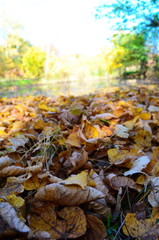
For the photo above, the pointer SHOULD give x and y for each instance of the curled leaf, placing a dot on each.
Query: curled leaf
(8, 213)
(5, 161)
(138, 165)
(67, 195)
(95, 228)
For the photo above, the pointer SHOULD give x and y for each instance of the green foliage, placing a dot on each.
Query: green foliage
(128, 50)
(33, 62)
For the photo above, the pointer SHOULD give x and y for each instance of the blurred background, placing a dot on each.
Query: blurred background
(74, 47)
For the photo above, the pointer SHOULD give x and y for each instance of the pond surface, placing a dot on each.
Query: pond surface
(66, 87)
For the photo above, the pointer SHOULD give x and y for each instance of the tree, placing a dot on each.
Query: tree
(132, 15)
(129, 52)
(33, 62)
(140, 17)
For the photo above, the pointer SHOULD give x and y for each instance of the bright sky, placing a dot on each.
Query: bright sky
(69, 25)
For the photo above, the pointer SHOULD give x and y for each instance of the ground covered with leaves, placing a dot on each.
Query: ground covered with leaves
(83, 168)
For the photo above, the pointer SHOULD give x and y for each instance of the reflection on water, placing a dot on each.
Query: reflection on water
(67, 87)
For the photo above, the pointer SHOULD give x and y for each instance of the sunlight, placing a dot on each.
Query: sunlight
(69, 25)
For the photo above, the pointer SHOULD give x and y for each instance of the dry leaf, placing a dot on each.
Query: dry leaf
(105, 116)
(19, 141)
(34, 182)
(91, 131)
(143, 139)
(67, 195)
(80, 179)
(9, 215)
(5, 161)
(95, 228)
(153, 197)
(12, 171)
(138, 165)
(152, 108)
(12, 186)
(69, 222)
(140, 228)
(17, 127)
(121, 131)
(117, 182)
(74, 140)
(76, 160)
(16, 202)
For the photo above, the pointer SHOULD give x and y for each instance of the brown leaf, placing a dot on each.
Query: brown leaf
(143, 139)
(12, 171)
(5, 161)
(67, 195)
(117, 182)
(76, 161)
(69, 222)
(95, 228)
(13, 186)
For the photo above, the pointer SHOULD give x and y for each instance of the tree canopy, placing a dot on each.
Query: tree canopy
(132, 15)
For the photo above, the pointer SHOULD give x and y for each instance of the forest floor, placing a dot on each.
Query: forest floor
(83, 167)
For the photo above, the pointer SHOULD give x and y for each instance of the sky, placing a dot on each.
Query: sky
(69, 25)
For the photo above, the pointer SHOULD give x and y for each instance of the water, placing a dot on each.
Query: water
(67, 87)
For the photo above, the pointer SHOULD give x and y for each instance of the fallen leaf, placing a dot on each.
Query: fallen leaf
(152, 108)
(67, 195)
(80, 179)
(17, 127)
(140, 228)
(76, 160)
(74, 140)
(34, 182)
(138, 165)
(153, 197)
(116, 182)
(95, 228)
(121, 131)
(19, 141)
(105, 116)
(5, 161)
(16, 202)
(143, 139)
(9, 215)
(69, 222)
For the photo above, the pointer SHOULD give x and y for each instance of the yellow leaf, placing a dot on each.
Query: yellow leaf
(39, 124)
(79, 179)
(141, 228)
(2, 133)
(34, 183)
(143, 139)
(16, 127)
(15, 201)
(74, 140)
(145, 115)
(43, 106)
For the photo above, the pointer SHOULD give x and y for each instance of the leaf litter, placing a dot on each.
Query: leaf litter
(84, 167)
